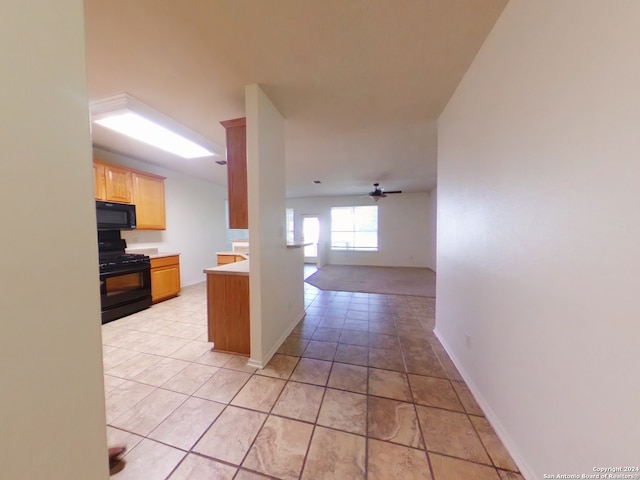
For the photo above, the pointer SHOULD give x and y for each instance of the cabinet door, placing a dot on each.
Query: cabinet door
(99, 182)
(165, 278)
(118, 184)
(148, 196)
(236, 134)
(228, 313)
(225, 259)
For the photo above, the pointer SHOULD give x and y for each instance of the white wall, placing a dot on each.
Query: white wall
(276, 272)
(433, 229)
(52, 415)
(405, 228)
(539, 232)
(195, 212)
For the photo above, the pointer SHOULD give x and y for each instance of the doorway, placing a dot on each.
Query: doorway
(310, 233)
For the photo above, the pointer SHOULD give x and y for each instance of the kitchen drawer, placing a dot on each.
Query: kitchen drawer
(164, 261)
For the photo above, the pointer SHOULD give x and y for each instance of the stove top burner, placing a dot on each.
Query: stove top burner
(112, 261)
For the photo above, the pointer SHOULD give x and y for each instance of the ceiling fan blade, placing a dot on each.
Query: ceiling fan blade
(380, 192)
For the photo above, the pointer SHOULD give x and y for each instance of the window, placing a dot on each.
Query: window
(289, 225)
(354, 228)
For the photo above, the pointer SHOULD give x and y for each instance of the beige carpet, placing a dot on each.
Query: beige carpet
(390, 280)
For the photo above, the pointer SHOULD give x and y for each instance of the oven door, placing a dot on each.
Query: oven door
(125, 285)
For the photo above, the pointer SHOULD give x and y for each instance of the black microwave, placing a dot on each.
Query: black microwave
(115, 216)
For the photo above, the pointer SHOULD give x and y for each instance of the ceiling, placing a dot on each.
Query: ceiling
(360, 83)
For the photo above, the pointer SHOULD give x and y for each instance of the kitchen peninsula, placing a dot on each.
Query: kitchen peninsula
(228, 307)
(228, 312)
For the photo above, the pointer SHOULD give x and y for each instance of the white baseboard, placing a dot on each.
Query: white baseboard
(525, 470)
(257, 364)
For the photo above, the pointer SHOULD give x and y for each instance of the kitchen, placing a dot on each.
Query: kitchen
(132, 278)
(195, 218)
(272, 261)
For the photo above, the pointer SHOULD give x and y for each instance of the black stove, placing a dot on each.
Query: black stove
(115, 261)
(125, 278)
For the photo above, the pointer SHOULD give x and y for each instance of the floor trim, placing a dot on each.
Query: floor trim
(525, 469)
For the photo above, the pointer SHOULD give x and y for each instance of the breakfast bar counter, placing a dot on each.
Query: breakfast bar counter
(228, 307)
(235, 268)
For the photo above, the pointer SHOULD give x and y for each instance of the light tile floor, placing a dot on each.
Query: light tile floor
(360, 389)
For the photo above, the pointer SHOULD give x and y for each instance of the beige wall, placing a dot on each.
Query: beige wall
(538, 232)
(406, 228)
(432, 242)
(277, 297)
(52, 402)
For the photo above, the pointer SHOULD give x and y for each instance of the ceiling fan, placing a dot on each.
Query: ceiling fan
(379, 193)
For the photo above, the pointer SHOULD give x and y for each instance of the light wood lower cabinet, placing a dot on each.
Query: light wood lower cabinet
(165, 278)
(225, 258)
(228, 313)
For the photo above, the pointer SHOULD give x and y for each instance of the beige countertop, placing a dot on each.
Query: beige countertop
(151, 252)
(239, 254)
(237, 268)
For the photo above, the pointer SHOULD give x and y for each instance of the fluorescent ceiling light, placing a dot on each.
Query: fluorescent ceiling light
(140, 128)
(132, 118)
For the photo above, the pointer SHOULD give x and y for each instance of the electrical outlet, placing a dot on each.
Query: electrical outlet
(467, 338)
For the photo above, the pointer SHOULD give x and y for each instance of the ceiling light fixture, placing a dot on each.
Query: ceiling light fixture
(128, 116)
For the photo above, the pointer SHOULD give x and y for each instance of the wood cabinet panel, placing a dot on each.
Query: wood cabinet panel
(118, 184)
(224, 258)
(236, 136)
(165, 278)
(99, 182)
(148, 197)
(228, 313)
(146, 191)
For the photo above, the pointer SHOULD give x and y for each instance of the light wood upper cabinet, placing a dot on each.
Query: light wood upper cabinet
(118, 184)
(236, 133)
(148, 197)
(113, 183)
(99, 182)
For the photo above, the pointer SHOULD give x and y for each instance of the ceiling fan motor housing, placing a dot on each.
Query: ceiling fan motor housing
(378, 192)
